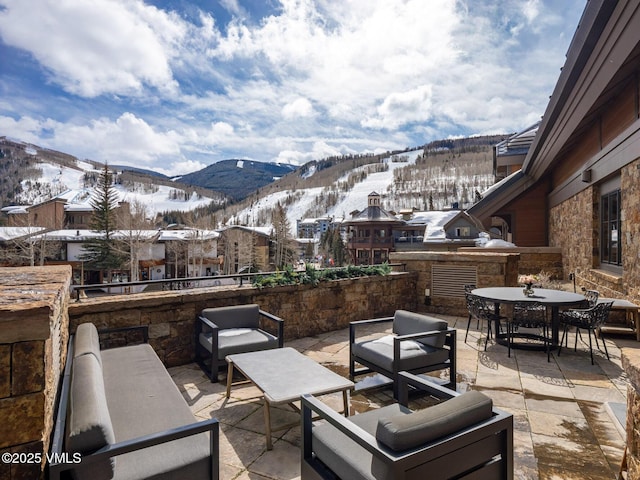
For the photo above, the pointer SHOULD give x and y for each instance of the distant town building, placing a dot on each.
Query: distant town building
(370, 233)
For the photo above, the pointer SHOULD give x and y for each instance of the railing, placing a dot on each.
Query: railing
(123, 288)
(118, 288)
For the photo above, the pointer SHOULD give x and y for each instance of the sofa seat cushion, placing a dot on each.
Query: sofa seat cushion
(403, 432)
(415, 356)
(342, 455)
(242, 340)
(143, 399)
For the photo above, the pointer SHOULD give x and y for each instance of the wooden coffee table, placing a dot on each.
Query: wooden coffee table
(283, 375)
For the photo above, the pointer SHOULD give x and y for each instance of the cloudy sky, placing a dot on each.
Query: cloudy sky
(175, 85)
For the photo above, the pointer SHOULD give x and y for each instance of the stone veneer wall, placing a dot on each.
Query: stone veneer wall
(574, 227)
(494, 269)
(532, 259)
(631, 366)
(33, 342)
(307, 310)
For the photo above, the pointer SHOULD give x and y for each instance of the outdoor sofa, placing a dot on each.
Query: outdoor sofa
(463, 437)
(121, 416)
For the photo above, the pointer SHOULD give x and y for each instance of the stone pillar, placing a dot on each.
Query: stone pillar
(34, 325)
(631, 366)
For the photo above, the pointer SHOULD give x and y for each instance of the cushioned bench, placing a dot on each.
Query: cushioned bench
(461, 437)
(122, 413)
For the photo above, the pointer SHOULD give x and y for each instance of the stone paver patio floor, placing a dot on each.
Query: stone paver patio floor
(563, 426)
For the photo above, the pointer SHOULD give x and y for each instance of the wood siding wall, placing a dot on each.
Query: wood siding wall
(528, 216)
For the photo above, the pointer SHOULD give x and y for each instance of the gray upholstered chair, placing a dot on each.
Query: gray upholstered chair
(419, 344)
(461, 437)
(225, 331)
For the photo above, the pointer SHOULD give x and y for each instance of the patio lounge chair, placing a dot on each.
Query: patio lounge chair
(224, 331)
(420, 344)
(463, 437)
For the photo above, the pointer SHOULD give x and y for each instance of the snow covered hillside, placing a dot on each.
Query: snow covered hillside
(70, 183)
(383, 179)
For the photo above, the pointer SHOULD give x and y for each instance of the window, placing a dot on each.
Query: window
(610, 228)
(463, 232)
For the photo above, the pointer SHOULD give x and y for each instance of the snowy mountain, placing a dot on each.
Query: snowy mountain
(46, 175)
(405, 181)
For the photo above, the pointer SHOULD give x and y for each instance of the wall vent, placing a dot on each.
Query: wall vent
(449, 280)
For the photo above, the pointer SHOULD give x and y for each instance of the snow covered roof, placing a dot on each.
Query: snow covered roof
(78, 207)
(187, 234)
(433, 217)
(15, 209)
(12, 233)
(265, 231)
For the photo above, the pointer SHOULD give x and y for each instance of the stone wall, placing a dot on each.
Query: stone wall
(33, 342)
(574, 228)
(631, 366)
(532, 260)
(493, 269)
(307, 310)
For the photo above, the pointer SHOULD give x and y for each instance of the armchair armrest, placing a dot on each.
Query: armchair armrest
(279, 324)
(449, 332)
(310, 404)
(146, 441)
(208, 323)
(406, 379)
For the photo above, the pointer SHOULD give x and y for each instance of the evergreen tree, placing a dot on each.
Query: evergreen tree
(100, 253)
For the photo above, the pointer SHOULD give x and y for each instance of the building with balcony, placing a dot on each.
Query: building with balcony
(370, 233)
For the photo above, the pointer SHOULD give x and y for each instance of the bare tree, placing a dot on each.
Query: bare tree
(238, 246)
(284, 251)
(136, 235)
(30, 245)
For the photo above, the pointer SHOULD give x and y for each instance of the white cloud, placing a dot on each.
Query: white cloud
(403, 107)
(93, 47)
(310, 79)
(300, 107)
(182, 167)
(129, 140)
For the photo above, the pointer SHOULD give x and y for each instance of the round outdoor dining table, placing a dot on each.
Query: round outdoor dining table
(550, 298)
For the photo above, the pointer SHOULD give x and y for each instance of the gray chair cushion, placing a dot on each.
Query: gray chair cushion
(239, 341)
(343, 456)
(406, 431)
(406, 323)
(89, 426)
(381, 353)
(236, 316)
(87, 341)
(143, 399)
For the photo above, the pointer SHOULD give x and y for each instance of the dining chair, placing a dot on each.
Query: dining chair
(529, 315)
(589, 319)
(482, 312)
(592, 297)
